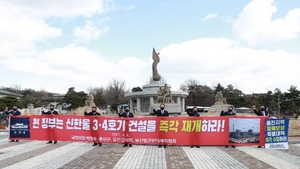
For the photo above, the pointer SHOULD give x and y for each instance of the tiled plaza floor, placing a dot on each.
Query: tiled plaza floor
(76, 155)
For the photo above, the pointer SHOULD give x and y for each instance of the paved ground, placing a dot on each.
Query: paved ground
(75, 155)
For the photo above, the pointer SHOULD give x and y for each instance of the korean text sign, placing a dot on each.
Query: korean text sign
(277, 134)
(209, 130)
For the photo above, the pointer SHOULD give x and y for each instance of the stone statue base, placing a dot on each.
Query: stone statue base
(217, 108)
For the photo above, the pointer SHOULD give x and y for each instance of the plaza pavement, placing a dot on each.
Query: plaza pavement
(78, 155)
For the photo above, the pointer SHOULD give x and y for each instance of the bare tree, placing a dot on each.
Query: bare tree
(115, 93)
(190, 86)
(198, 94)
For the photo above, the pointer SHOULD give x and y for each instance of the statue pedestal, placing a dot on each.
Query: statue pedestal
(217, 108)
(143, 101)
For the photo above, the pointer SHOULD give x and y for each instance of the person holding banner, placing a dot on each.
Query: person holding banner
(14, 112)
(50, 112)
(127, 114)
(222, 112)
(261, 112)
(160, 113)
(228, 113)
(193, 113)
(93, 113)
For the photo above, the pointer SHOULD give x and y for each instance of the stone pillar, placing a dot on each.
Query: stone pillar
(131, 104)
(138, 105)
(151, 101)
(178, 100)
(183, 104)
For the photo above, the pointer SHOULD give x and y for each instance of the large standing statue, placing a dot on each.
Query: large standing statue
(219, 99)
(90, 100)
(155, 74)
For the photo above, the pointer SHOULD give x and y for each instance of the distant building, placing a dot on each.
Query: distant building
(4, 93)
(54, 98)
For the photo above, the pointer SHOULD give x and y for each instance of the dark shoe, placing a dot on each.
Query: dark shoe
(100, 144)
(198, 146)
(159, 146)
(94, 144)
(130, 145)
(17, 140)
(165, 146)
(49, 142)
(233, 146)
(192, 146)
(259, 147)
(226, 146)
(55, 142)
(125, 145)
(12, 141)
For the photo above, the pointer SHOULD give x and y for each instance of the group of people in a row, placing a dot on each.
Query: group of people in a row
(261, 112)
(16, 112)
(127, 114)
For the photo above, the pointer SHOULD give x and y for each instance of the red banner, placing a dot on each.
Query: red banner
(205, 130)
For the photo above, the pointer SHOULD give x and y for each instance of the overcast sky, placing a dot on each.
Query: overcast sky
(54, 45)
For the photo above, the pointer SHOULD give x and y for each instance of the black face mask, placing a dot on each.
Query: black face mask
(162, 108)
(262, 109)
(51, 109)
(195, 111)
(229, 110)
(126, 110)
(14, 109)
(93, 110)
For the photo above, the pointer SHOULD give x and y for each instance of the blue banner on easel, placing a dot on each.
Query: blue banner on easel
(277, 134)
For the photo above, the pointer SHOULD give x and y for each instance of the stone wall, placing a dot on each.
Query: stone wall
(294, 129)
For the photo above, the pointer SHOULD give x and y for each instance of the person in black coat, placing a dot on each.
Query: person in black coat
(93, 113)
(229, 112)
(261, 112)
(14, 112)
(126, 114)
(193, 113)
(50, 112)
(222, 113)
(159, 113)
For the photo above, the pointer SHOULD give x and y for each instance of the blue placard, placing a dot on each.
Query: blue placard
(19, 127)
(277, 133)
